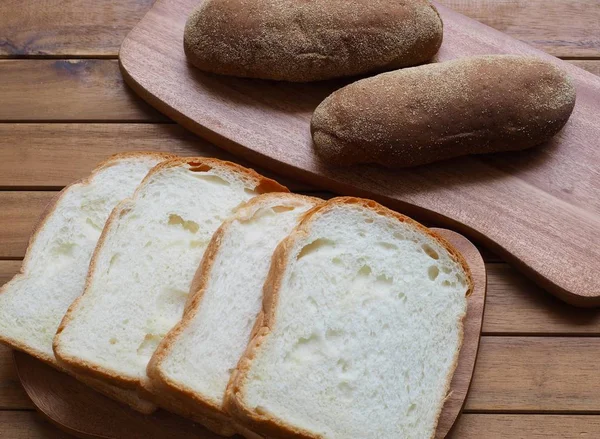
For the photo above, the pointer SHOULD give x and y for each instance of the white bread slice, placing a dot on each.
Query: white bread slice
(193, 363)
(53, 273)
(144, 263)
(360, 330)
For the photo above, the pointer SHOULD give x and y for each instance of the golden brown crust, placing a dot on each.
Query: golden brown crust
(309, 41)
(198, 164)
(473, 105)
(262, 423)
(46, 214)
(163, 388)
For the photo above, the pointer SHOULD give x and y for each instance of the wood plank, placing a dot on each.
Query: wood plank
(592, 66)
(12, 395)
(536, 374)
(83, 90)
(560, 27)
(28, 425)
(87, 28)
(515, 305)
(513, 374)
(19, 213)
(67, 27)
(52, 155)
(77, 90)
(489, 426)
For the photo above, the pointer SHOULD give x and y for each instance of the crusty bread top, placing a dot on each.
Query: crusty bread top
(310, 40)
(260, 419)
(471, 105)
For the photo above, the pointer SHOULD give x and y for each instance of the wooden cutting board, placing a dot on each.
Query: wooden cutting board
(80, 411)
(539, 209)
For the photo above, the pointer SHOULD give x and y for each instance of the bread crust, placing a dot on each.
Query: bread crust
(305, 41)
(473, 105)
(262, 423)
(165, 391)
(199, 164)
(44, 217)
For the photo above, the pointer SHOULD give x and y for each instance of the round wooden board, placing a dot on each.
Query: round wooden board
(78, 410)
(538, 208)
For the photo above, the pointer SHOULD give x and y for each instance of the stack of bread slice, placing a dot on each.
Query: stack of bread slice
(213, 292)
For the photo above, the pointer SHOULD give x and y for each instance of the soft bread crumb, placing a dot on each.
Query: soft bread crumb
(361, 329)
(194, 362)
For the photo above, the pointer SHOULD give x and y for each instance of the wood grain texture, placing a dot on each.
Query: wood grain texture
(77, 409)
(538, 208)
(463, 374)
(515, 305)
(528, 374)
(487, 426)
(592, 66)
(19, 214)
(92, 29)
(559, 27)
(67, 27)
(76, 90)
(12, 395)
(27, 425)
(84, 90)
(536, 374)
(73, 149)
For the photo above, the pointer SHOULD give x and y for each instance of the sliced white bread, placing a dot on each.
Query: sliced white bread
(360, 331)
(56, 263)
(193, 363)
(142, 268)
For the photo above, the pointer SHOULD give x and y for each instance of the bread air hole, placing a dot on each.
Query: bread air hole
(387, 246)
(280, 209)
(364, 271)
(429, 251)
(190, 226)
(433, 272)
(213, 179)
(199, 167)
(315, 246)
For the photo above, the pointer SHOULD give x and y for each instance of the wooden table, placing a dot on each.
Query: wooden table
(64, 107)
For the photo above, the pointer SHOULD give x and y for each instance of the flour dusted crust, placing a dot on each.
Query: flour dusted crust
(304, 41)
(262, 424)
(200, 164)
(175, 396)
(419, 115)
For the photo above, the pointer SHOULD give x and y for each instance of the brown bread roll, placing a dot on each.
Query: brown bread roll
(310, 40)
(423, 114)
